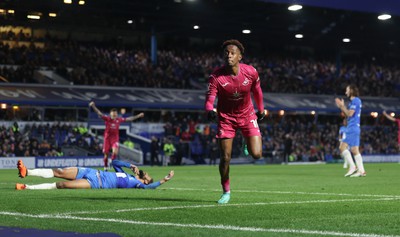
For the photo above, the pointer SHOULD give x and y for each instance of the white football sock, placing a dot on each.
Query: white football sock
(347, 156)
(42, 186)
(359, 163)
(44, 173)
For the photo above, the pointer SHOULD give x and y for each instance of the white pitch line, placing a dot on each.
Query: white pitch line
(228, 205)
(287, 192)
(219, 227)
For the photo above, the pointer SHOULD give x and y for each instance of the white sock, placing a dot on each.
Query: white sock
(42, 186)
(359, 163)
(44, 173)
(345, 163)
(347, 156)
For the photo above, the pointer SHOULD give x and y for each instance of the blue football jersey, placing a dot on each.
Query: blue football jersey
(353, 122)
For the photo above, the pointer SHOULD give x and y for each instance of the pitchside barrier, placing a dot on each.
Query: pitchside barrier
(51, 162)
(125, 153)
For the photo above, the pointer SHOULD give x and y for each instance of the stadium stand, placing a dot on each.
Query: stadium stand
(45, 140)
(91, 64)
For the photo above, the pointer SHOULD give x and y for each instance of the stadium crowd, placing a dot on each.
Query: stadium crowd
(311, 140)
(105, 65)
(45, 140)
(94, 64)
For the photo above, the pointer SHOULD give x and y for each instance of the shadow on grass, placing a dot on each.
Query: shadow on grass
(125, 198)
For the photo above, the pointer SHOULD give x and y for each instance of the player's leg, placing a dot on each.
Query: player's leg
(105, 161)
(23, 171)
(345, 164)
(360, 165)
(244, 147)
(73, 184)
(254, 145)
(106, 150)
(115, 150)
(345, 153)
(225, 145)
(251, 132)
(66, 173)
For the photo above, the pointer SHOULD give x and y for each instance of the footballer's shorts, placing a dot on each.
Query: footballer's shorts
(352, 138)
(90, 175)
(248, 125)
(110, 143)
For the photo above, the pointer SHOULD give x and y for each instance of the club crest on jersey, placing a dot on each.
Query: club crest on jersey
(246, 82)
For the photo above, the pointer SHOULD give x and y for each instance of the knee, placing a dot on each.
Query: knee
(58, 172)
(226, 158)
(355, 151)
(60, 185)
(257, 155)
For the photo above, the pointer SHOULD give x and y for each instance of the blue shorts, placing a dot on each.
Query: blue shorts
(352, 138)
(90, 175)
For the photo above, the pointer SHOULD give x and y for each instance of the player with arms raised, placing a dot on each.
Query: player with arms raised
(233, 84)
(352, 139)
(111, 133)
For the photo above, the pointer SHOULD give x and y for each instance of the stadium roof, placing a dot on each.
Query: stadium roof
(372, 6)
(323, 24)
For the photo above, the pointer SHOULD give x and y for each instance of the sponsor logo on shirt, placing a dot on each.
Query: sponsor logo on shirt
(225, 84)
(236, 95)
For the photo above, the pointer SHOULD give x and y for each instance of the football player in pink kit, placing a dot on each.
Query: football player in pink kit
(111, 133)
(233, 84)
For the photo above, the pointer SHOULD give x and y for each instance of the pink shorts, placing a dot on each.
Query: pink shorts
(227, 127)
(110, 143)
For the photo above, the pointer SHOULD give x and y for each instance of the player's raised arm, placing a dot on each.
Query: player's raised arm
(389, 117)
(98, 112)
(132, 118)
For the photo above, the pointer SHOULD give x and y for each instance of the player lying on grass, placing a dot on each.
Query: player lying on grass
(86, 178)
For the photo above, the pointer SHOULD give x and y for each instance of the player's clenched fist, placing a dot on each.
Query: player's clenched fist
(212, 116)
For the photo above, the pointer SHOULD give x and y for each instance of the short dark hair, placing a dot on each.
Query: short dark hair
(233, 42)
(354, 90)
(114, 110)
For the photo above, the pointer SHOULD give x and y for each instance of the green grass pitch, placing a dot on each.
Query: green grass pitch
(267, 200)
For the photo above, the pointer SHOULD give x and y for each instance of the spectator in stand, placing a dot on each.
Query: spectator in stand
(169, 150)
(154, 151)
(129, 143)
